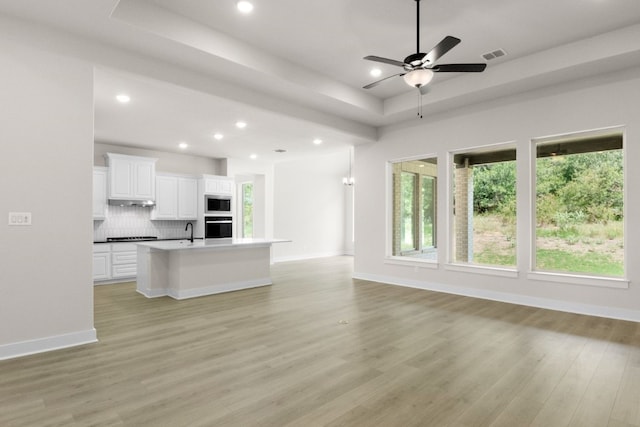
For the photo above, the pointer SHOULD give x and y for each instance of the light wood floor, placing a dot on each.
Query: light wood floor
(318, 348)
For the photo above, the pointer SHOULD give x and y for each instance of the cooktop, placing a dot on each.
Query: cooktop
(131, 238)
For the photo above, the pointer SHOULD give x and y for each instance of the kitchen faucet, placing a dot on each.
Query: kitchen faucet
(186, 228)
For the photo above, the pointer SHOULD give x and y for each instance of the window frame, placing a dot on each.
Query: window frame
(242, 208)
(525, 216)
(569, 277)
(434, 211)
(389, 214)
(452, 264)
(414, 206)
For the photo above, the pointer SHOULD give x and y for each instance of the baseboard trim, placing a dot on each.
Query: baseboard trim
(153, 293)
(41, 345)
(546, 303)
(114, 281)
(207, 290)
(218, 289)
(307, 256)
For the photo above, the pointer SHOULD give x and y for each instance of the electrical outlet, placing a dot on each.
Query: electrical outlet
(19, 218)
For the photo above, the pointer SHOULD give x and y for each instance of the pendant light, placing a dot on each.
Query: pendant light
(349, 180)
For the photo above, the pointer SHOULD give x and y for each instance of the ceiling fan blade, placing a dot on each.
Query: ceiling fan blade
(370, 85)
(384, 60)
(440, 49)
(459, 68)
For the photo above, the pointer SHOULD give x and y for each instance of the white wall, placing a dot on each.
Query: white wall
(46, 146)
(349, 220)
(167, 162)
(309, 207)
(601, 102)
(261, 174)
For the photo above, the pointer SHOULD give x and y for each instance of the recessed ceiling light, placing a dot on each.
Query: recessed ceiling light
(123, 98)
(241, 124)
(375, 72)
(253, 156)
(244, 6)
(218, 136)
(183, 145)
(317, 141)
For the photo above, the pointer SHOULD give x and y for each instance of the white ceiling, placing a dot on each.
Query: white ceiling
(294, 70)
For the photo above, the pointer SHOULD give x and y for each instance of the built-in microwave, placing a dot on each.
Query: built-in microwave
(217, 204)
(218, 227)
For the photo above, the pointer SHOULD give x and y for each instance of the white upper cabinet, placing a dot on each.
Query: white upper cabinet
(218, 185)
(131, 177)
(176, 198)
(166, 198)
(99, 193)
(187, 198)
(144, 175)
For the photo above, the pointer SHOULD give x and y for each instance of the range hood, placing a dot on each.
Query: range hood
(136, 203)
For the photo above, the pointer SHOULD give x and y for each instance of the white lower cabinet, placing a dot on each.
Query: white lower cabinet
(122, 271)
(123, 260)
(114, 262)
(101, 262)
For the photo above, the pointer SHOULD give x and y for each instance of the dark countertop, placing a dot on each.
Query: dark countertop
(147, 240)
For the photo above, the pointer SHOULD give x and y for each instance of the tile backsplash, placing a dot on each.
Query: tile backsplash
(127, 221)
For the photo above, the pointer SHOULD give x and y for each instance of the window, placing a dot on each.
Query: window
(579, 204)
(247, 209)
(414, 208)
(484, 207)
(408, 219)
(428, 209)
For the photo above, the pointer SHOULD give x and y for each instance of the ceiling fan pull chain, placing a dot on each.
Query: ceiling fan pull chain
(419, 103)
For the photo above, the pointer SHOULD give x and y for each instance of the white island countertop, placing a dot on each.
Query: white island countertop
(172, 245)
(183, 269)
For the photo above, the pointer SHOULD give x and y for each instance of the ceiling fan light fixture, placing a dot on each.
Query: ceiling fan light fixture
(419, 77)
(244, 6)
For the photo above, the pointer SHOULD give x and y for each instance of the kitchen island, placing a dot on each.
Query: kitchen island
(182, 269)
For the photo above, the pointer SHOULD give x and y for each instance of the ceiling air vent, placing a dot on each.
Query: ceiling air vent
(495, 54)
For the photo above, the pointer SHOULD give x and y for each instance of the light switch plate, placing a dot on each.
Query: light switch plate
(19, 218)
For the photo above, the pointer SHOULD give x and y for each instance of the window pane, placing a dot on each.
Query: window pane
(428, 212)
(407, 209)
(579, 207)
(414, 208)
(485, 208)
(247, 210)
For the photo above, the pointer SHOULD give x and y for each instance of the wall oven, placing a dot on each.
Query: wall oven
(217, 204)
(218, 227)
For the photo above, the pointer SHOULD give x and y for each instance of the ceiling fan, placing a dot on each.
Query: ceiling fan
(419, 67)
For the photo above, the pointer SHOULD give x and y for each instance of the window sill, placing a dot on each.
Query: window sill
(412, 262)
(481, 269)
(575, 279)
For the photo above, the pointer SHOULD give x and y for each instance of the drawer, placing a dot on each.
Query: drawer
(125, 270)
(118, 258)
(101, 248)
(123, 247)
